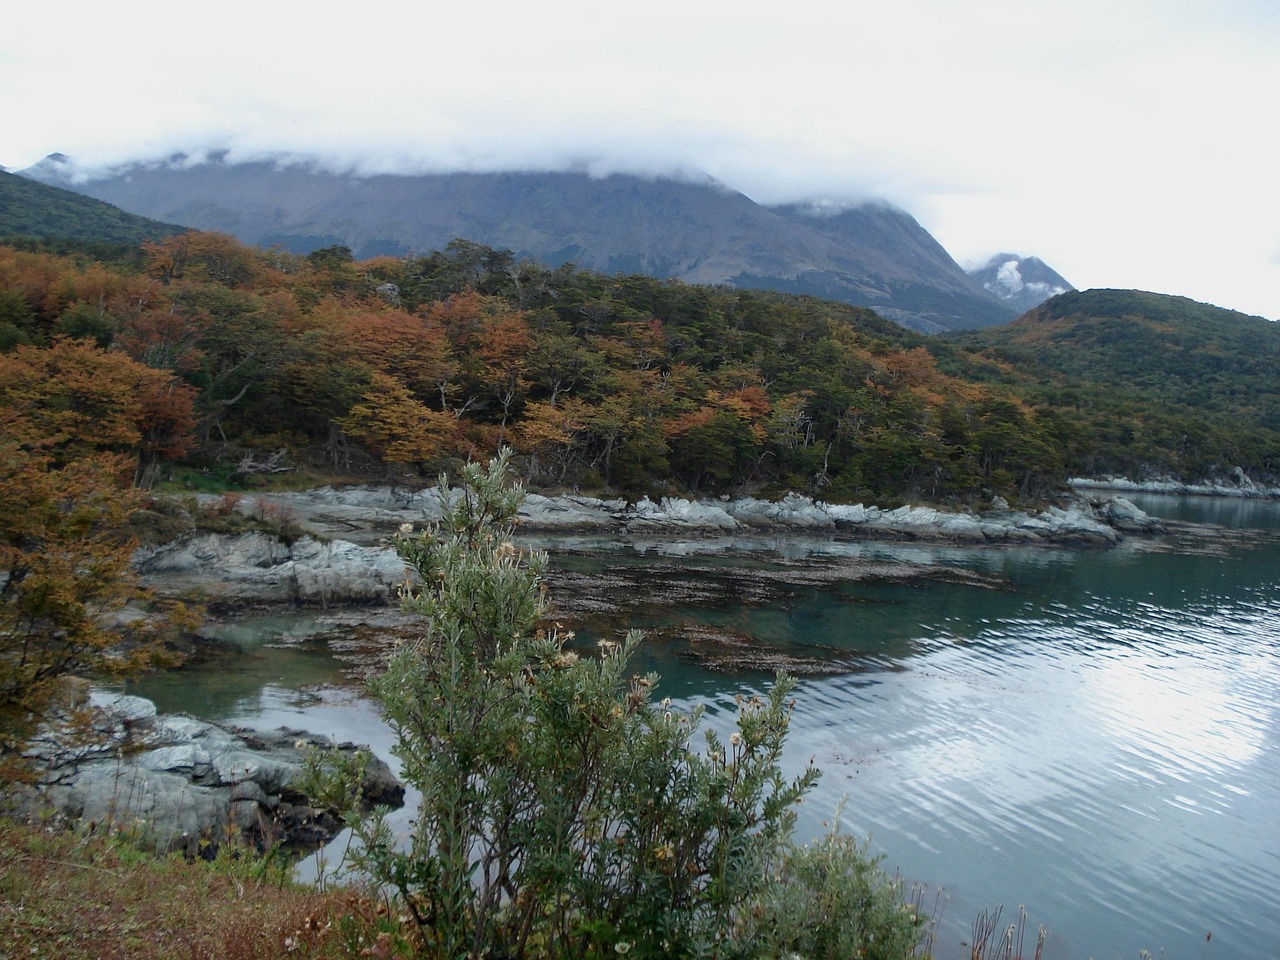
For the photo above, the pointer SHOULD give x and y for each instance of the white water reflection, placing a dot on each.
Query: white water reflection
(1188, 718)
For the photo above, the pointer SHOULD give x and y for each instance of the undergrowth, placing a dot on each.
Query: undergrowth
(87, 895)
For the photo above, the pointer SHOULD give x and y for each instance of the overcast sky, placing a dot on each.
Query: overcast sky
(1127, 143)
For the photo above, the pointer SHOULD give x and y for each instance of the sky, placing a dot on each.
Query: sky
(1127, 143)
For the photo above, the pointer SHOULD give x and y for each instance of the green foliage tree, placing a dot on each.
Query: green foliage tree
(564, 813)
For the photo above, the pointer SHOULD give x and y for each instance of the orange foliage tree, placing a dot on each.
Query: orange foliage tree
(65, 581)
(396, 426)
(74, 400)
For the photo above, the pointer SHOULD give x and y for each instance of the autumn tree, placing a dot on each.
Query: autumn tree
(397, 427)
(73, 400)
(65, 582)
(549, 434)
(198, 254)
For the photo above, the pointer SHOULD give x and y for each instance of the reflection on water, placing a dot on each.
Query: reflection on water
(1094, 734)
(232, 685)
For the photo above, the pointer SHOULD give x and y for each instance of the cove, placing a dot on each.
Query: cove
(1091, 733)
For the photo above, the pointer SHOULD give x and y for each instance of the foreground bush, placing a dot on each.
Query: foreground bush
(565, 813)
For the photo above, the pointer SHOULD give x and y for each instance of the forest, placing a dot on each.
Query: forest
(1153, 384)
(209, 364)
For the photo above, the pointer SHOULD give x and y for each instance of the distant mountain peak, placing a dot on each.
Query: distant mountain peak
(1019, 282)
(56, 169)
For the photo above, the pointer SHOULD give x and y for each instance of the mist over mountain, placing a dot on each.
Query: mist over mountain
(1021, 283)
(695, 230)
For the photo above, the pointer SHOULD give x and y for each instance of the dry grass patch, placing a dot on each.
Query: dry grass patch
(73, 896)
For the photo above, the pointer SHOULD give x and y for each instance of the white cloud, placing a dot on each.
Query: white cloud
(1008, 278)
(1127, 144)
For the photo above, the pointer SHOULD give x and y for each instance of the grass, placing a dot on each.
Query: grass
(75, 895)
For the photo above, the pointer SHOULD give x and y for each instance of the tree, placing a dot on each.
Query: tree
(396, 427)
(214, 256)
(564, 813)
(65, 580)
(74, 400)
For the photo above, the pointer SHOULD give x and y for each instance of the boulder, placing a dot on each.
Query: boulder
(794, 512)
(174, 781)
(1125, 515)
(569, 513)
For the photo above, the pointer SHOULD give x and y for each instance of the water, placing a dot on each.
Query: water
(1094, 734)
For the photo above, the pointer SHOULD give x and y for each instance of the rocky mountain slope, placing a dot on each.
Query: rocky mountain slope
(696, 230)
(1020, 283)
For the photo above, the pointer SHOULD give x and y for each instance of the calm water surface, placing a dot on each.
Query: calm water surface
(1094, 734)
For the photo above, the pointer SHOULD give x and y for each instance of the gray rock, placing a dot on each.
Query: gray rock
(191, 759)
(1239, 485)
(1125, 515)
(122, 707)
(793, 511)
(569, 513)
(192, 780)
(255, 567)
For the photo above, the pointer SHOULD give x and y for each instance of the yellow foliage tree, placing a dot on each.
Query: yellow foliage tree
(396, 426)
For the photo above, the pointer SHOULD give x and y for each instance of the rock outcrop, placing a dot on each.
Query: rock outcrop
(175, 782)
(371, 515)
(1239, 484)
(1080, 521)
(259, 568)
(256, 568)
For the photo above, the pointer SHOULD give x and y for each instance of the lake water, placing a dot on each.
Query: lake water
(1094, 734)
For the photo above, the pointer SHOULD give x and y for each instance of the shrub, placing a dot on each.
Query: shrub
(564, 812)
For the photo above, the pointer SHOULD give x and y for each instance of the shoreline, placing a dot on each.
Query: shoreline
(1245, 489)
(345, 553)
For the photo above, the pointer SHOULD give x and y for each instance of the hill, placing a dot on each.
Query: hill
(696, 230)
(38, 211)
(396, 366)
(1191, 389)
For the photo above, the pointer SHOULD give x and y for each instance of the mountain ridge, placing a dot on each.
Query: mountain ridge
(1202, 378)
(699, 231)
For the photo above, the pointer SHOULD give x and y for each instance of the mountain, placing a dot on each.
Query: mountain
(696, 230)
(1019, 282)
(38, 211)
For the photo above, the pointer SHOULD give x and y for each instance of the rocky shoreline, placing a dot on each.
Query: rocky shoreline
(1238, 487)
(345, 557)
(177, 783)
(187, 784)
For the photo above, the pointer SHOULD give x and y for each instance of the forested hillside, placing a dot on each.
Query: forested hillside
(1154, 383)
(39, 212)
(395, 367)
